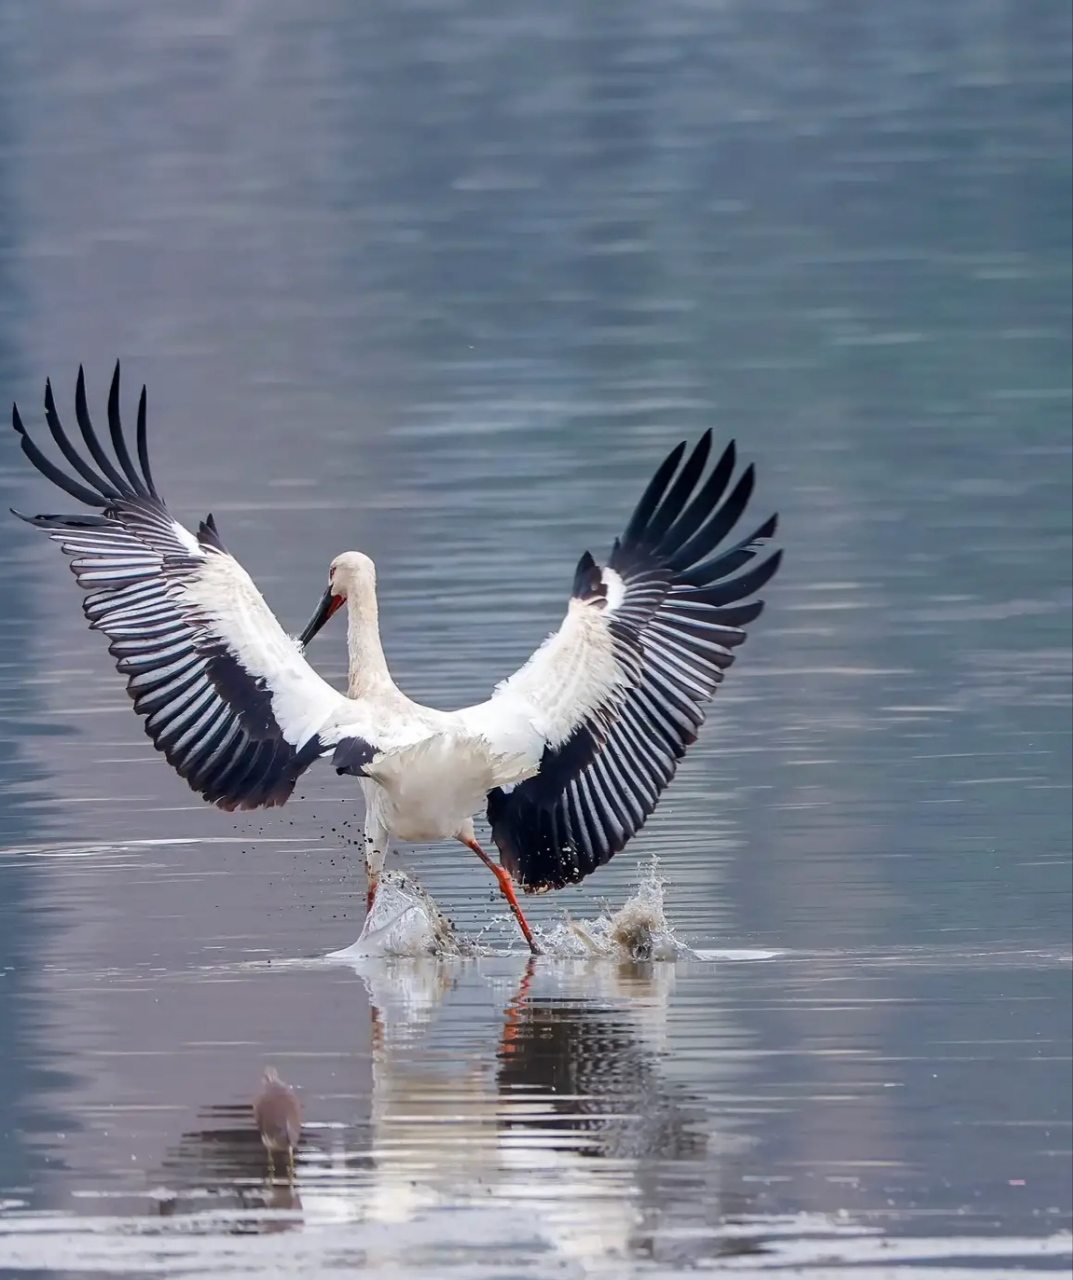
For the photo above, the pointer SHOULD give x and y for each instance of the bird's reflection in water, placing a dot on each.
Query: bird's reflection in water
(578, 1075)
(542, 1094)
(551, 1100)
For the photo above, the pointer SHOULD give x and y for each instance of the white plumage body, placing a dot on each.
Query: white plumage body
(431, 791)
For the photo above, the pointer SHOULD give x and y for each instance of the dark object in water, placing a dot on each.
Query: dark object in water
(279, 1119)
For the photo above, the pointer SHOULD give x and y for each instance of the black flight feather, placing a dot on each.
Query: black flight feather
(68, 450)
(92, 443)
(143, 449)
(653, 493)
(50, 470)
(115, 430)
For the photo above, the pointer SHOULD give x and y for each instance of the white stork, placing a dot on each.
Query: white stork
(568, 757)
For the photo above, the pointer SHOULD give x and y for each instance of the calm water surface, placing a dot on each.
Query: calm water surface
(442, 282)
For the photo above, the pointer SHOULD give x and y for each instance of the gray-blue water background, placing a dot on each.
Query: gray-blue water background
(442, 282)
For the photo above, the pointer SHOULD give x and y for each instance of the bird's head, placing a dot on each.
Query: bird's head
(350, 575)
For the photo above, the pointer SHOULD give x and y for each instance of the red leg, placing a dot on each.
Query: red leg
(506, 885)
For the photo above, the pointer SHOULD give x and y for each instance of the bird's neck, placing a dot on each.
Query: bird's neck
(368, 666)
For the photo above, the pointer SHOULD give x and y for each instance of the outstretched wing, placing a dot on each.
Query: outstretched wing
(225, 693)
(619, 692)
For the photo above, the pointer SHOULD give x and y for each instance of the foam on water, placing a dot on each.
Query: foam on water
(405, 921)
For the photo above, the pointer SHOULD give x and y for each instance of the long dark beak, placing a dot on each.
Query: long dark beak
(328, 605)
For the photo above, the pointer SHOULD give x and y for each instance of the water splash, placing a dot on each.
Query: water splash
(638, 930)
(406, 922)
